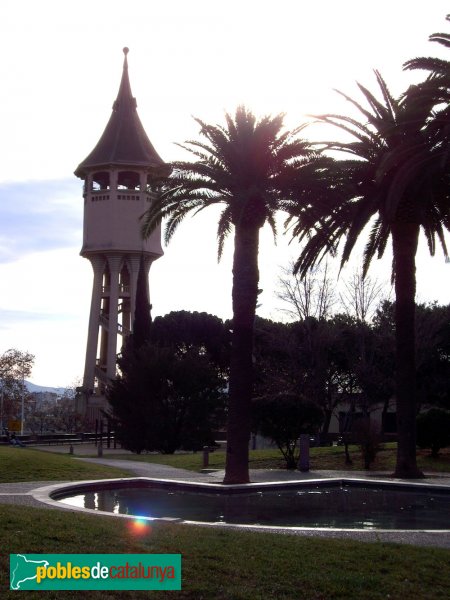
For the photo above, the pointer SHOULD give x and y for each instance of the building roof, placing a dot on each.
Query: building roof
(124, 141)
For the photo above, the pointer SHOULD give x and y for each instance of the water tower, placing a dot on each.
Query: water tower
(120, 177)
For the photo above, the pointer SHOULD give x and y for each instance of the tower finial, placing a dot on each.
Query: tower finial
(125, 58)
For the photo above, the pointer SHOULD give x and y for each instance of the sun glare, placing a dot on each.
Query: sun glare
(139, 527)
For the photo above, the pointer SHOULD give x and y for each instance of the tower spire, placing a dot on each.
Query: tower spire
(124, 95)
(124, 140)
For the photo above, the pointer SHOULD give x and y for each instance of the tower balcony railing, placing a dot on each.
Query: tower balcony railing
(99, 195)
(124, 307)
(123, 289)
(128, 195)
(122, 329)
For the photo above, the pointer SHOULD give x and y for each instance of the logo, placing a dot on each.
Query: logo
(95, 571)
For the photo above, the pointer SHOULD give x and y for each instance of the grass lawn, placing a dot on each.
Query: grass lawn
(25, 464)
(331, 457)
(220, 564)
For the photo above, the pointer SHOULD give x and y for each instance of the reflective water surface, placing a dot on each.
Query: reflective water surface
(338, 507)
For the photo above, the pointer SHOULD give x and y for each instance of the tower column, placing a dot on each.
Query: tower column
(113, 179)
(97, 263)
(148, 264)
(134, 263)
(114, 261)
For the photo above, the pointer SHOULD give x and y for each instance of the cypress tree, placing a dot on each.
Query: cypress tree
(142, 317)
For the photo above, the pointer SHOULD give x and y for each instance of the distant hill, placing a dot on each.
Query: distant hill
(32, 387)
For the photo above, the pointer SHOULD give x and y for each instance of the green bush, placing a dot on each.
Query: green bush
(283, 418)
(163, 401)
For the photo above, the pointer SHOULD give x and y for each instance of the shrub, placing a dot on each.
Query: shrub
(163, 402)
(368, 438)
(283, 418)
(433, 430)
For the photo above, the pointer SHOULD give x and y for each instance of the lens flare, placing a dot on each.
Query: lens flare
(139, 527)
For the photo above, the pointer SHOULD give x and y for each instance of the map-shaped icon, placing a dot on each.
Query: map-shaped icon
(24, 569)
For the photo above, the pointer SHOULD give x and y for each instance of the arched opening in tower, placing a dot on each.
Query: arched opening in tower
(128, 180)
(100, 181)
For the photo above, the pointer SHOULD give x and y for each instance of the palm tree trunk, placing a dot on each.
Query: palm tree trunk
(245, 292)
(404, 239)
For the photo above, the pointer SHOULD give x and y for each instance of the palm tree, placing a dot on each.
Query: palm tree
(399, 182)
(246, 168)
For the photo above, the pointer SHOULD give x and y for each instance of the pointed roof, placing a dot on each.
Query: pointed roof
(124, 141)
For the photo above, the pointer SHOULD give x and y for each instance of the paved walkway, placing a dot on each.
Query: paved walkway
(22, 493)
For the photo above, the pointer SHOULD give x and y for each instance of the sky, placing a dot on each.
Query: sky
(60, 71)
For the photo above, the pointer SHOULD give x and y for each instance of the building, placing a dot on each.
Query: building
(120, 178)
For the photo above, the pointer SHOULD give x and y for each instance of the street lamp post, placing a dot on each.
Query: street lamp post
(22, 416)
(1, 411)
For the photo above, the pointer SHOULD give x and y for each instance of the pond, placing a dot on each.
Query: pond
(342, 505)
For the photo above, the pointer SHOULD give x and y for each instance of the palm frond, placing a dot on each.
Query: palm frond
(223, 229)
(273, 225)
(423, 63)
(441, 38)
(389, 99)
(358, 130)
(376, 243)
(356, 104)
(381, 112)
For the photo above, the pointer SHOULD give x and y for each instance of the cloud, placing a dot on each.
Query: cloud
(37, 216)
(11, 318)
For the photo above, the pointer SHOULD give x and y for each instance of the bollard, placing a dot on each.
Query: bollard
(205, 457)
(100, 448)
(303, 463)
(71, 449)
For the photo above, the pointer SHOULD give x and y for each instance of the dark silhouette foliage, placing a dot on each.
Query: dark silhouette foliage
(283, 418)
(170, 393)
(142, 317)
(433, 430)
(163, 402)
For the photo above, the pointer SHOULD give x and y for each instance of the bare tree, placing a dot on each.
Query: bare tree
(309, 296)
(362, 295)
